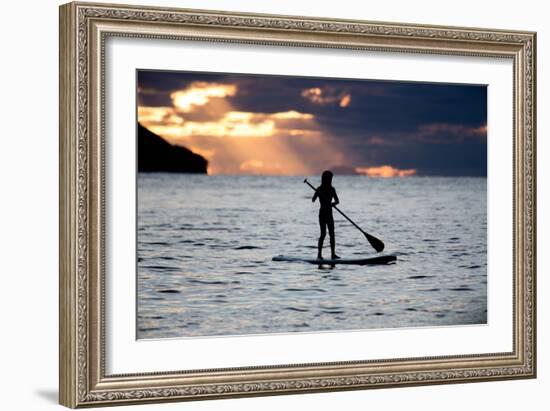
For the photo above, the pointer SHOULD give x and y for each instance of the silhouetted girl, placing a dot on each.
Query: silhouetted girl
(326, 193)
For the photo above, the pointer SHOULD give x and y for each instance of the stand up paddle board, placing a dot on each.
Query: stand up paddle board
(378, 260)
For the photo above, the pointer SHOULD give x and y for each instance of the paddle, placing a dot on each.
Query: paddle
(375, 242)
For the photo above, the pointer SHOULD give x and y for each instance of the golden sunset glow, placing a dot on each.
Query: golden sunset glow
(345, 101)
(287, 125)
(313, 94)
(385, 171)
(166, 122)
(259, 167)
(292, 115)
(238, 142)
(311, 133)
(157, 115)
(200, 93)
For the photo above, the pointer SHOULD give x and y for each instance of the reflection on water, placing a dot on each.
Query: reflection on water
(205, 245)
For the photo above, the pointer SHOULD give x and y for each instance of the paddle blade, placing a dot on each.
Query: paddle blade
(375, 242)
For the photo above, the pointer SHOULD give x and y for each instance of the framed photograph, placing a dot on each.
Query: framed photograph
(261, 205)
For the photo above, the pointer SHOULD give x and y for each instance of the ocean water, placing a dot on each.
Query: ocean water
(205, 245)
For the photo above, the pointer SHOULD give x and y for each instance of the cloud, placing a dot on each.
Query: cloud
(148, 91)
(443, 132)
(430, 134)
(378, 141)
(216, 116)
(344, 102)
(149, 116)
(309, 124)
(204, 119)
(292, 115)
(200, 93)
(166, 122)
(326, 96)
(385, 171)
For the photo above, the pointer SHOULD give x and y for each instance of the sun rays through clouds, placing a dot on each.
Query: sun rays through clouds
(204, 118)
(245, 124)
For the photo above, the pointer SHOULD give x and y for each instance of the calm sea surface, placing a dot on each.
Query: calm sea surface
(205, 245)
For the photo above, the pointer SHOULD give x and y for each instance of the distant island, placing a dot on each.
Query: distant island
(156, 154)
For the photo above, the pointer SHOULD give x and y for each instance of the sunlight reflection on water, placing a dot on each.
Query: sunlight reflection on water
(205, 245)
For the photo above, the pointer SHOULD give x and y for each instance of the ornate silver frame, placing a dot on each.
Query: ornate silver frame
(83, 30)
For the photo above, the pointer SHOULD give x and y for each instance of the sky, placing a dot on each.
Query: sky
(280, 125)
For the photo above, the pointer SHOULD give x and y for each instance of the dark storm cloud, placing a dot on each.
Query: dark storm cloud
(435, 128)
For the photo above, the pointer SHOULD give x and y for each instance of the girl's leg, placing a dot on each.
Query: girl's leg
(322, 226)
(330, 224)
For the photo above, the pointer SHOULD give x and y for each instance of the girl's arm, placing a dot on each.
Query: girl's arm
(314, 196)
(335, 196)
